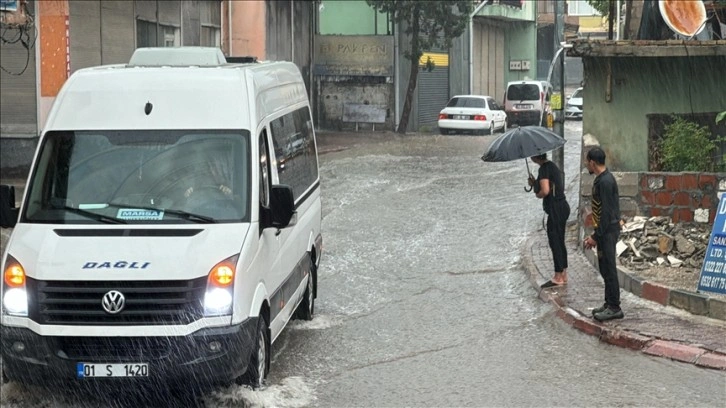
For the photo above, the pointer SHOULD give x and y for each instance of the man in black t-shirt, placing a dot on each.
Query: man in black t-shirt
(550, 187)
(606, 220)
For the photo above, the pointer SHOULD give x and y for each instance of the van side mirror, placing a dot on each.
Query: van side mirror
(282, 205)
(8, 211)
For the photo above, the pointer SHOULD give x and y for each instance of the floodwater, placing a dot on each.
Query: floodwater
(423, 302)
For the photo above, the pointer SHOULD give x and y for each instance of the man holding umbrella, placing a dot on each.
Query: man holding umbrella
(549, 186)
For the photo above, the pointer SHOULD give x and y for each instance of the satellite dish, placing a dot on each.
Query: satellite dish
(684, 17)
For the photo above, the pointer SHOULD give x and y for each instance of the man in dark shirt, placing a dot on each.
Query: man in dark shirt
(606, 220)
(551, 189)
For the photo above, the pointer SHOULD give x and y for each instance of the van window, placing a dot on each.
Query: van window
(134, 176)
(295, 150)
(264, 171)
(461, 102)
(523, 92)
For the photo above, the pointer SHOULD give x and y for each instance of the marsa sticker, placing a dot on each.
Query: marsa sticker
(139, 214)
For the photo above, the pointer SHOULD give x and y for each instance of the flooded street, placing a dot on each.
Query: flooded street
(422, 300)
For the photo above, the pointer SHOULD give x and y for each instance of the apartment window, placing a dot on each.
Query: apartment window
(580, 8)
(210, 36)
(146, 35)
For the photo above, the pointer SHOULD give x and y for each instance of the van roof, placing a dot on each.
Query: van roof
(226, 96)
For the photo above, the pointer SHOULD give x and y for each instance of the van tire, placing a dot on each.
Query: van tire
(306, 308)
(259, 364)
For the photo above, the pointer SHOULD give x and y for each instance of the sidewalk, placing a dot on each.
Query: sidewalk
(648, 326)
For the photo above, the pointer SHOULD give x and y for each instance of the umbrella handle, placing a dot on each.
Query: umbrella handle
(529, 173)
(528, 189)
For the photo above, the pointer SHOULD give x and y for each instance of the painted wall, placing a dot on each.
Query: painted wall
(351, 17)
(642, 86)
(521, 44)
(247, 28)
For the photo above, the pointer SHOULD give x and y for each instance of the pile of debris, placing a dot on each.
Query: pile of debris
(656, 241)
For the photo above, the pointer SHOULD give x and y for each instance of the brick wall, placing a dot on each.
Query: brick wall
(684, 197)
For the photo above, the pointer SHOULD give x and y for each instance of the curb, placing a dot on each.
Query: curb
(694, 303)
(648, 345)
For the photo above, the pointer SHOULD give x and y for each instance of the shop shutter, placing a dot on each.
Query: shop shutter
(433, 94)
(17, 92)
(85, 34)
(117, 31)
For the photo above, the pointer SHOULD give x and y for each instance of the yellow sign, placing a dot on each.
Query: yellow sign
(556, 101)
(439, 59)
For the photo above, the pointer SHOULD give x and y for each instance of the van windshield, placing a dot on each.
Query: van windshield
(523, 92)
(141, 177)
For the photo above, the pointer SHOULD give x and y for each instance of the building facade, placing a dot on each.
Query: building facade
(67, 35)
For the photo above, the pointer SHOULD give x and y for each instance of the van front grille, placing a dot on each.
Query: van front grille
(138, 349)
(177, 302)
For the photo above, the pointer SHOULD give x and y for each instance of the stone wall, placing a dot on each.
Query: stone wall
(684, 197)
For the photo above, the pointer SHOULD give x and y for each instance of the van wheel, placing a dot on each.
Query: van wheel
(306, 308)
(258, 367)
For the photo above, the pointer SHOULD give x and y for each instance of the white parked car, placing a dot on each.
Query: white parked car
(472, 113)
(573, 107)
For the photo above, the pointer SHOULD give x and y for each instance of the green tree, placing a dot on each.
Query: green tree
(428, 24)
(602, 6)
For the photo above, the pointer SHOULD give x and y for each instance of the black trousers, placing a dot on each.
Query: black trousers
(606, 263)
(556, 223)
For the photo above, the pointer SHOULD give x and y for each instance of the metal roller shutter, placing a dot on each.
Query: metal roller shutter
(85, 34)
(117, 31)
(17, 92)
(433, 94)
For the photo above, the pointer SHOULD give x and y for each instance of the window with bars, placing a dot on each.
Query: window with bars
(210, 36)
(146, 35)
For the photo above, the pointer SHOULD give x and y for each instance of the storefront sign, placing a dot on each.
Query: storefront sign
(713, 270)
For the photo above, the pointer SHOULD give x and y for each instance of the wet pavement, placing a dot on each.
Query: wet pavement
(424, 300)
(648, 326)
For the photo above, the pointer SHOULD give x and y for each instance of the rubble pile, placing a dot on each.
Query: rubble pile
(656, 241)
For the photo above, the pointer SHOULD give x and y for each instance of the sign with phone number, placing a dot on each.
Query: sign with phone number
(713, 271)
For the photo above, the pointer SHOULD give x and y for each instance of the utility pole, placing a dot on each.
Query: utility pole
(558, 125)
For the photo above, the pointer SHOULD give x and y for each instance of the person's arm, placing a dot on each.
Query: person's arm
(544, 188)
(608, 196)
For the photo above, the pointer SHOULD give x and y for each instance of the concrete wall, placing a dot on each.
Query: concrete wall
(336, 92)
(641, 86)
(521, 44)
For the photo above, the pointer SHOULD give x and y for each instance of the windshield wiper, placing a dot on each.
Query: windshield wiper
(93, 215)
(179, 213)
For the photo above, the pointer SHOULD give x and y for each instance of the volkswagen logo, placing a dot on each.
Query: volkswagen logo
(113, 302)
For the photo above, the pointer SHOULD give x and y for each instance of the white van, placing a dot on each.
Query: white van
(159, 236)
(527, 102)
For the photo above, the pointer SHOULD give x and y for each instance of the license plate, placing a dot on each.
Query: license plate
(462, 117)
(85, 370)
(524, 106)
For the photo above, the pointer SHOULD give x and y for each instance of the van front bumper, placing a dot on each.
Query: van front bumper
(524, 118)
(211, 355)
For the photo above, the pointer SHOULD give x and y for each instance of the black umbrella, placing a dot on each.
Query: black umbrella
(521, 143)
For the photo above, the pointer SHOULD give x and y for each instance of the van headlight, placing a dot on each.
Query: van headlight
(15, 295)
(218, 298)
